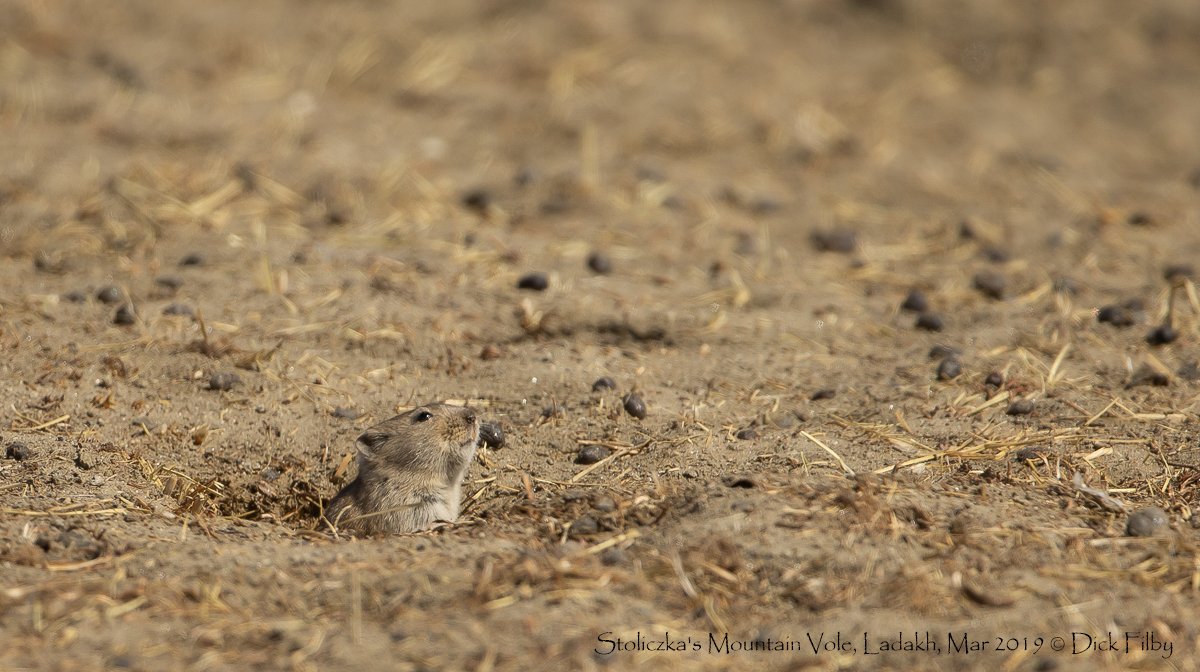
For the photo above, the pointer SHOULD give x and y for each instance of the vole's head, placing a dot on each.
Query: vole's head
(431, 438)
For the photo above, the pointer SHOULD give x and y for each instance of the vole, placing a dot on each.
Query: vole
(410, 471)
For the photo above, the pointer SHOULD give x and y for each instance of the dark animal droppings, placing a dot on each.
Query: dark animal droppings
(109, 294)
(1118, 316)
(942, 351)
(1030, 454)
(179, 309)
(17, 451)
(171, 282)
(994, 379)
(1140, 219)
(125, 316)
(1162, 335)
(635, 406)
(1176, 272)
(536, 281)
(604, 383)
(843, 241)
(827, 393)
(599, 263)
(491, 435)
(930, 322)
(345, 413)
(949, 369)
(747, 433)
(591, 454)
(991, 284)
(477, 200)
(1020, 407)
(996, 255)
(192, 259)
(1148, 375)
(75, 296)
(223, 381)
(915, 302)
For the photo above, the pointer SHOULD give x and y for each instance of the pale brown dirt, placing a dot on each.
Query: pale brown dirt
(317, 156)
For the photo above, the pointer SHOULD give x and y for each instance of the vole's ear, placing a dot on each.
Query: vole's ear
(369, 441)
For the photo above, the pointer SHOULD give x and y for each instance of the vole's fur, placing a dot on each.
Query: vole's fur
(410, 471)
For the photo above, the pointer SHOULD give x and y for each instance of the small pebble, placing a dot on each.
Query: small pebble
(604, 383)
(991, 284)
(781, 420)
(635, 406)
(599, 263)
(614, 556)
(930, 322)
(1020, 407)
(949, 369)
(75, 296)
(915, 302)
(1117, 316)
(109, 294)
(491, 435)
(536, 281)
(826, 393)
(125, 316)
(591, 454)
(49, 262)
(17, 451)
(843, 241)
(192, 259)
(604, 504)
(345, 413)
(1162, 335)
(1190, 371)
(224, 380)
(179, 310)
(747, 434)
(994, 379)
(1147, 522)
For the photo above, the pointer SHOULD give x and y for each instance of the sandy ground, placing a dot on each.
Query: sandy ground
(336, 202)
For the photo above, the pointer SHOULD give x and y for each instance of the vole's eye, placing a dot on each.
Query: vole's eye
(422, 416)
